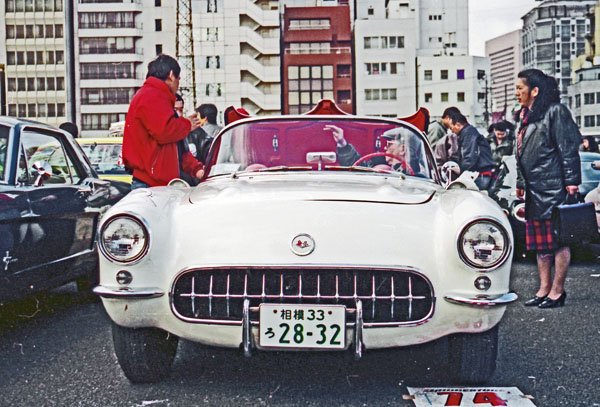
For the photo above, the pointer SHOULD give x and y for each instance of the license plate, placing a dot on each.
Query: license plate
(302, 326)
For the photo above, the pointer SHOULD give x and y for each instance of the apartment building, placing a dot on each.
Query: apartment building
(553, 34)
(317, 55)
(237, 56)
(504, 52)
(385, 55)
(459, 81)
(115, 41)
(34, 57)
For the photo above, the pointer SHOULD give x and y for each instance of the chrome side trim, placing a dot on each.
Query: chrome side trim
(124, 292)
(482, 301)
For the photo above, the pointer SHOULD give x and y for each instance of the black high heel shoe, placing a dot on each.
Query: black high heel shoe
(559, 302)
(535, 301)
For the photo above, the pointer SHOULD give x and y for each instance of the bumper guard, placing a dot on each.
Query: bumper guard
(483, 301)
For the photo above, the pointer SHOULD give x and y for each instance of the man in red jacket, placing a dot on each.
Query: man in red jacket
(152, 129)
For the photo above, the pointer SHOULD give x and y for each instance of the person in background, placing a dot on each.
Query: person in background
(500, 144)
(207, 112)
(178, 105)
(588, 143)
(152, 129)
(474, 152)
(70, 128)
(439, 129)
(548, 170)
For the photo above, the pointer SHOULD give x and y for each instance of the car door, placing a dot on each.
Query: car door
(55, 224)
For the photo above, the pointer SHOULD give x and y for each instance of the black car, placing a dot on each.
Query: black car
(503, 191)
(51, 200)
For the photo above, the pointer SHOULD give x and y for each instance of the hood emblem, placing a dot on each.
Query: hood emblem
(303, 244)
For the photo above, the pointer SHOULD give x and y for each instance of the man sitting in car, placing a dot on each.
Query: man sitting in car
(403, 150)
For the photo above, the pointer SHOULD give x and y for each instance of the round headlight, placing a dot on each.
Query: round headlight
(124, 239)
(483, 244)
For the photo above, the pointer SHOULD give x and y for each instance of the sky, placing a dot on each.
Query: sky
(491, 18)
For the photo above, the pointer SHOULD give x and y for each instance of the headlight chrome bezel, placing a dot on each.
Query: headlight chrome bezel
(492, 266)
(143, 225)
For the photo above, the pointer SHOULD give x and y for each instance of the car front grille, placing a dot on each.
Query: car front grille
(389, 296)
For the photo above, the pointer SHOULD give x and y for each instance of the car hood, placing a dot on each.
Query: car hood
(316, 187)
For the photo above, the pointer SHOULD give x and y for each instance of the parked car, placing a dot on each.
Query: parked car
(51, 200)
(504, 187)
(105, 155)
(285, 245)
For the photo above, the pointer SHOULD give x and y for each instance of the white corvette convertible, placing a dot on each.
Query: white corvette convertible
(323, 231)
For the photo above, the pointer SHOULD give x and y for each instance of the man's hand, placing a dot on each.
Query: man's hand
(194, 121)
(520, 193)
(572, 189)
(338, 135)
(200, 174)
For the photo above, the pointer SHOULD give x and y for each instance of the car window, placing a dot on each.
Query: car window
(270, 145)
(105, 158)
(42, 147)
(4, 132)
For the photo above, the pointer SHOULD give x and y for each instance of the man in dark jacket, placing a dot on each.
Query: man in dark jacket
(152, 129)
(474, 151)
(500, 144)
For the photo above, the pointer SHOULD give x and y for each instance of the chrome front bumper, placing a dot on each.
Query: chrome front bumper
(128, 293)
(483, 301)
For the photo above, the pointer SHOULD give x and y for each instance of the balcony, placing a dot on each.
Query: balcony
(322, 51)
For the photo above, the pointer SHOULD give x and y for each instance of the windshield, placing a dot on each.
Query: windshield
(105, 158)
(320, 144)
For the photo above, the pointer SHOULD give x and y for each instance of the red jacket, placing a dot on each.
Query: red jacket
(151, 134)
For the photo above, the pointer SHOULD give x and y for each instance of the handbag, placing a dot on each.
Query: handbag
(575, 223)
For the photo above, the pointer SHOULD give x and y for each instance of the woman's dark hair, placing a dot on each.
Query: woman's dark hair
(160, 67)
(593, 145)
(548, 92)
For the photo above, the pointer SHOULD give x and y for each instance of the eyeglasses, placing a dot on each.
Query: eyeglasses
(390, 143)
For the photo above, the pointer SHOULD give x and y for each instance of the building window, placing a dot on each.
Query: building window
(343, 97)
(307, 85)
(158, 24)
(106, 96)
(460, 74)
(11, 58)
(107, 45)
(371, 11)
(384, 42)
(480, 74)
(12, 110)
(444, 96)
(21, 84)
(428, 73)
(211, 6)
(158, 49)
(11, 84)
(589, 99)
(213, 62)
(577, 100)
(213, 89)
(310, 24)
(100, 121)
(123, 70)
(589, 121)
(444, 74)
(344, 71)
(460, 97)
(578, 121)
(212, 34)
(481, 97)
(157, 3)
(428, 97)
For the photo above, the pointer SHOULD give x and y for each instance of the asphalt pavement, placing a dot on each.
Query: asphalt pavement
(56, 350)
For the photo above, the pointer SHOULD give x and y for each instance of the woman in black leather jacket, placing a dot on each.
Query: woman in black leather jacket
(548, 170)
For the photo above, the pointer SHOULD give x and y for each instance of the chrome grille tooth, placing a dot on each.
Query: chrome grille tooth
(263, 294)
(319, 287)
(193, 293)
(373, 287)
(355, 286)
(300, 285)
(210, 295)
(337, 287)
(410, 297)
(392, 297)
(227, 294)
(281, 285)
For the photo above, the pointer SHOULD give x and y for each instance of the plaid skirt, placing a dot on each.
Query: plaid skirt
(539, 235)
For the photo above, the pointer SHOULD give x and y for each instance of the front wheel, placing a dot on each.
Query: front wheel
(473, 356)
(145, 354)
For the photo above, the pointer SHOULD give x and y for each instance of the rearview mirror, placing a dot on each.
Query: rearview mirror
(450, 171)
(326, 157)
(596, 165)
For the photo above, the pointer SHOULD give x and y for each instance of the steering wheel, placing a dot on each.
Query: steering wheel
(403, 163)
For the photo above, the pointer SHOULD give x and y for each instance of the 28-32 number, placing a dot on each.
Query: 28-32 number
(298, 334)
